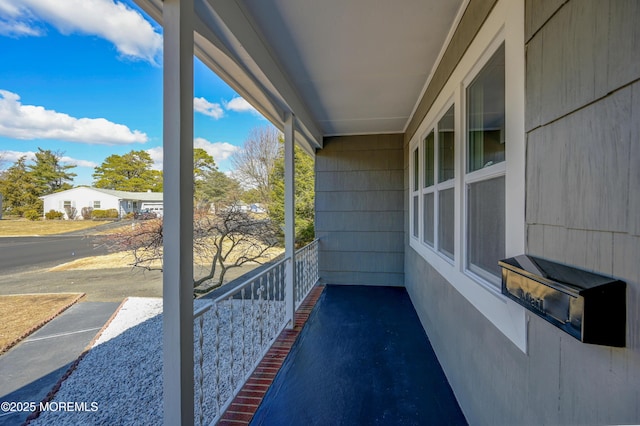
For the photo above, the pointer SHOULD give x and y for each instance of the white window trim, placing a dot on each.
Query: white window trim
(437, 186)
(504, 24)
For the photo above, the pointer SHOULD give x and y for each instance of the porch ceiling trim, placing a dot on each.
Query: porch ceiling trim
(230, 45)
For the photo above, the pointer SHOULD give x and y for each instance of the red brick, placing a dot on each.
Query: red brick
(244, 400)
(243, 408)
(251, 394)
(226, 422)
(232, 415)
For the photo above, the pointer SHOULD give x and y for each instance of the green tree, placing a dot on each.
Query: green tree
(218, 189)
(203, 165)
(19, 189)
(49, 174)
(304, 195)
(129, 172)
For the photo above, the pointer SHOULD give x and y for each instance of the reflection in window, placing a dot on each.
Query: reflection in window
(446, 142)
(446, 222)
(416, 175)
(428, 219)
(486, 227)
(416, 207)
(429, 160)
(485, 115)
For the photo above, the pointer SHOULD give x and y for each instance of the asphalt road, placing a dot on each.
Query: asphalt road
(26, 253)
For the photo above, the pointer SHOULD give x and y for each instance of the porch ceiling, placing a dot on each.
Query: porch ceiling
(342, 67)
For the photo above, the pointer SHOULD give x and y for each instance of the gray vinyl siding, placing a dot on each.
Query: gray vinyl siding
(582, 203)
(359, 210)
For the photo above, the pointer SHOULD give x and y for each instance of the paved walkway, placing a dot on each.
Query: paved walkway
(30, 369)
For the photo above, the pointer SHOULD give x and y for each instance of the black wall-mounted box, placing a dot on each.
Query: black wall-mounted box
(590, 307)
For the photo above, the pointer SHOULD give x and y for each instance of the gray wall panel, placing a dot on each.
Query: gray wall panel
(623, 47)
(359, 201)
(537, 13)
(370, 261)
(387, 180)
(363, 278)
(362, 241)
(360, 210)
(375, 221)
(634, 161)
(597, 168)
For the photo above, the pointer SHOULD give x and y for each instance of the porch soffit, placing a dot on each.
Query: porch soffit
(342, 67)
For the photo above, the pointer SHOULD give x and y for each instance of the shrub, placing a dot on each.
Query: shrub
(104, 214)
(54, 215)
(71, 212)
(86, 212)
(32, 215)
(129, 215)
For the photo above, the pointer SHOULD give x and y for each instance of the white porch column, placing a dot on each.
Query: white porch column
(177, 281)
(289, 215)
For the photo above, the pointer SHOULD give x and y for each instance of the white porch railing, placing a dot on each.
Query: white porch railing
(306, 271)
(233, 332)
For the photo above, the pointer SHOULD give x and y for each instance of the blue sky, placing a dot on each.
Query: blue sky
(74, 82)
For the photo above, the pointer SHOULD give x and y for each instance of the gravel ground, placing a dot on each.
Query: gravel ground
(120, 379)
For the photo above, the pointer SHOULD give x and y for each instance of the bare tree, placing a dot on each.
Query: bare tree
(225, 240)
(254, 163)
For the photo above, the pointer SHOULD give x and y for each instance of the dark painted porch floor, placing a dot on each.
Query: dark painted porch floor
(362, 359)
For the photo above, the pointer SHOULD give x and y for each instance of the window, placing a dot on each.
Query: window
(466, 172)
(96, 204)
(428, 190)
(415, 197)
(438, 180)
(446, 176)
(484, 180)
(485, 115)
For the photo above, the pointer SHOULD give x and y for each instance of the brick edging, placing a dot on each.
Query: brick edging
(246, 403)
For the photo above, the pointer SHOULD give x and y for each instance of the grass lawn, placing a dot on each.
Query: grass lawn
(24, 227)
(22, 314)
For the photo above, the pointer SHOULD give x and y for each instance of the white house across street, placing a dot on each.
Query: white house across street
(74, 200)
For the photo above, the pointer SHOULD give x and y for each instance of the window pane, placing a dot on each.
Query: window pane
(416, 170)
(446, 133)
(446, 222)
(416, 207)
(429, 166)
(428, 219)
(485, 114)
(486, 226)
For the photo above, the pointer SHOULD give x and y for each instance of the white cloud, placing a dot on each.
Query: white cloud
(156, 156)
(220, 151)
(35, 122)
(239, 104)
(205, 107)
(13, 156)
(133, 36)
(17, 29)
(78, 163)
